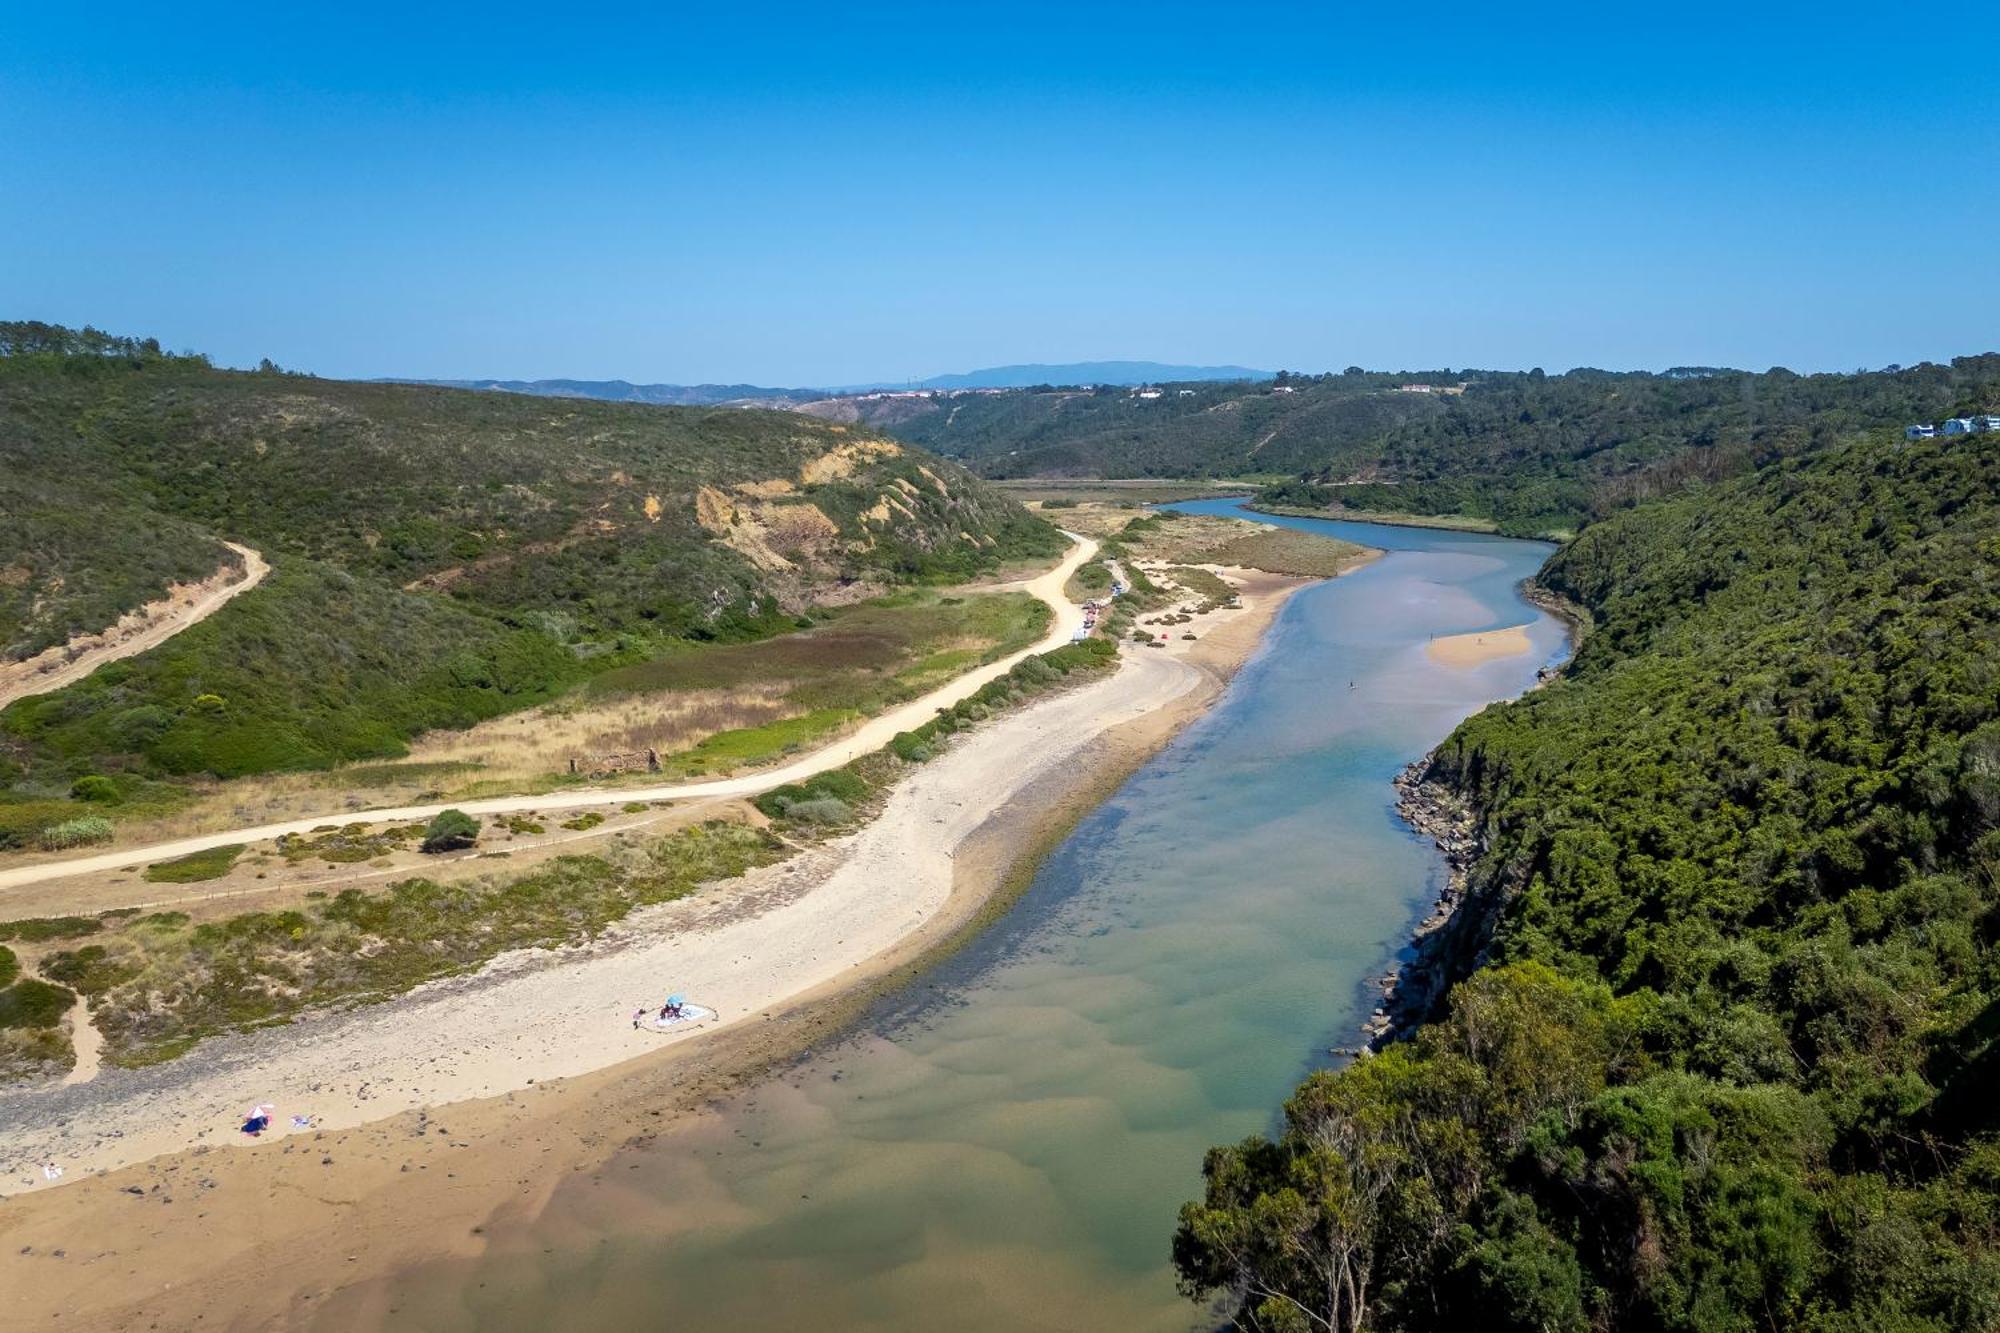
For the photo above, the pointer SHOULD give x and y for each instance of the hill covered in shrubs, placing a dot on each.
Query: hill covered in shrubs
(439, 556)
(1723, 1052)
(1533, 452)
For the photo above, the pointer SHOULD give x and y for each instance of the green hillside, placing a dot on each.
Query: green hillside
(440, 555)
(1533, 452)
(1726, 1055)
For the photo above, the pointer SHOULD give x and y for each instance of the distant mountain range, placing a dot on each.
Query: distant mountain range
(624, 391)
(1082, 372)
(995, 377)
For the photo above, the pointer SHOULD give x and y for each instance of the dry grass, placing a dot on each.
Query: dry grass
(748, 702)
(1093, 519)
(1286, 551)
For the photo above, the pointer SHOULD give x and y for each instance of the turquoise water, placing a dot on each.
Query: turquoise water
(1005, 1147)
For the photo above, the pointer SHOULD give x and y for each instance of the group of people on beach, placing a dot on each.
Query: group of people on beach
(675, 1008)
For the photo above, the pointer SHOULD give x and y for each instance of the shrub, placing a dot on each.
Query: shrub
(211, 704)
(85, 832)
(35, 929)
(841, 784)
(93, 969)
(450, 831)
(29, 1003)
(94, 787)
(10, 966)
(821, 810)
(588, 820)
(910, 747)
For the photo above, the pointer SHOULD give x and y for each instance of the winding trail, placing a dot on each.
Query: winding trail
(871, 736)
(147, 627)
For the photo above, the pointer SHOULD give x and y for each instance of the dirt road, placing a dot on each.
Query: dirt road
(147, 627)
(872, 736)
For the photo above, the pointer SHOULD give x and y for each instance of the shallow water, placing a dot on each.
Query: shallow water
(1005, 1146)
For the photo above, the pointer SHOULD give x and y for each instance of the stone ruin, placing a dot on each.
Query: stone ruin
(625, 761)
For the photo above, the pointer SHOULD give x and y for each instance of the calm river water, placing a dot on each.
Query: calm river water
(1006, 1146)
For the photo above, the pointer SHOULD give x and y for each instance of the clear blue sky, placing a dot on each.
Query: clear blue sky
(829, 193)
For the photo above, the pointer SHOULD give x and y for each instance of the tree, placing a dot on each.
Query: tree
(451, 831)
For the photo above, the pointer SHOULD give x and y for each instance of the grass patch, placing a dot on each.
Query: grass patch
(855, 658)
(1211, 589)
(753, 747)
(1286, 551)
(211, 864)
(37, 929)
(413, 774)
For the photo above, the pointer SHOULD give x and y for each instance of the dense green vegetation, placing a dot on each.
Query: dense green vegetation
(314, 667)
(439, 556)
(1726, 1055)
(1533, 452)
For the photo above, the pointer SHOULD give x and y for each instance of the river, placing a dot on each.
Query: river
(1005, 1145)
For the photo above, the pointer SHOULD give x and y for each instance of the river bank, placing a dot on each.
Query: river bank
(424, 1181)
(1412, 991)
(1010, 1139)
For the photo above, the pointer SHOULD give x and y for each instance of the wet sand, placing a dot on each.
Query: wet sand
(217, 1236)
(1471, 650)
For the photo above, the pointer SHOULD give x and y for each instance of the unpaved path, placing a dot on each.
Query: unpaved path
(872, 736)
(536, 1015)
(147, 627)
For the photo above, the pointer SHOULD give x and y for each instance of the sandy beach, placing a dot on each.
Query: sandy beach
(476, 1094)
(1470, 650)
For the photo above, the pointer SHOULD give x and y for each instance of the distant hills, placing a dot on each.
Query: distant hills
(1533, 452)
(993, 377)
(437, 557)
(624, 391)
(1080, 372)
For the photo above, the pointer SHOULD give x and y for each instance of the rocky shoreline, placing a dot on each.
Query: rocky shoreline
(1410, 989)
(1574, 617)
(1438, 813)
